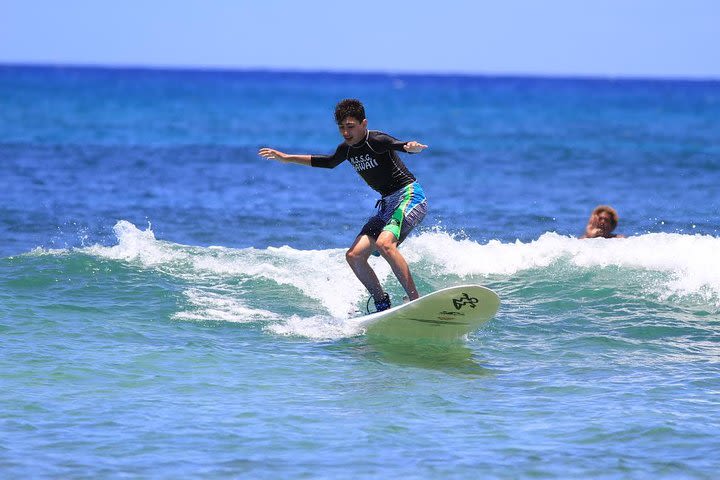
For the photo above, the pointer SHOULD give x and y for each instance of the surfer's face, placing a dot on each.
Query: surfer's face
(353, 130)
(604, 221)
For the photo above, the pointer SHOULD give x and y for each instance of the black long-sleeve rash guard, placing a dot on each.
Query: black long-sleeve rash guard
(375, 159)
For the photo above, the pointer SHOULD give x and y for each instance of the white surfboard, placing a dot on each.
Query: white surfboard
(446, 314)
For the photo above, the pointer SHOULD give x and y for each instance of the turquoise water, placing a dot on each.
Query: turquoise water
(173, 305)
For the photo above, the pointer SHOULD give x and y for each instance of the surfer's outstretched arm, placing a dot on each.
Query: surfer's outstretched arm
(273, 154)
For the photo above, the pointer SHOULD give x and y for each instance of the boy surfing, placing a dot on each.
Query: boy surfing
(402, 207)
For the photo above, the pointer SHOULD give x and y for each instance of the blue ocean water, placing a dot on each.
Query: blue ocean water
(171, 304)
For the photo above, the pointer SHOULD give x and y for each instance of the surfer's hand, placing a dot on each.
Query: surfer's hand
(414, 147)
(593, 228)
(272, 154)
(592, 232)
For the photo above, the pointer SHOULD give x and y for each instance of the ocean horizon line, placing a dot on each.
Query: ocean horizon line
(360, 72)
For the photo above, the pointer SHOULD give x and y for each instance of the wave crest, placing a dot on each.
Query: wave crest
(281, 285)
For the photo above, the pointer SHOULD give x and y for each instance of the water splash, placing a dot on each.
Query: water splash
(312, 293)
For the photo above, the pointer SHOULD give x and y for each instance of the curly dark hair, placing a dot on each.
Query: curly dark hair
(350, 107)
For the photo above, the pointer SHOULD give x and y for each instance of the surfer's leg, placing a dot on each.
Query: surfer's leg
(404, 217)
(357, 256)
(387, 246)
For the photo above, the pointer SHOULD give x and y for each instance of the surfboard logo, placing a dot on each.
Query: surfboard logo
(465, 299)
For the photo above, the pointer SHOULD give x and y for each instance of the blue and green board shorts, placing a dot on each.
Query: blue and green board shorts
(399, 213)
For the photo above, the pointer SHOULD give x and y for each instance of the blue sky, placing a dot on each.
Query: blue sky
(646, 38)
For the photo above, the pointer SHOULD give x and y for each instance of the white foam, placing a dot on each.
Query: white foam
(137, 245)
(692, 262)
(464, 257)
(316, 327)
(206, 305)
(688, 265)
(319, 274)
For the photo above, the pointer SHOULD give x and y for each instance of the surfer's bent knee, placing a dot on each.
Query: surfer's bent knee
(386, 244)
